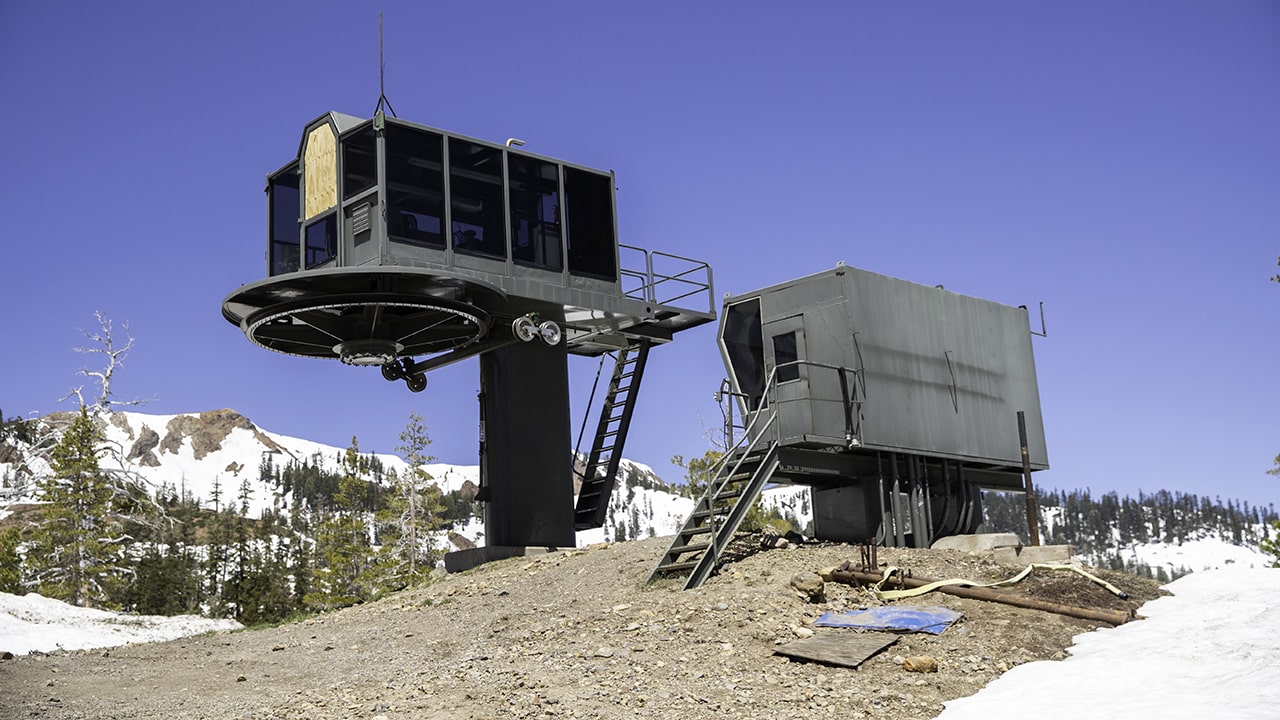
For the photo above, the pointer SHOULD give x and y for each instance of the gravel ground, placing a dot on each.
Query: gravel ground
(574, 634)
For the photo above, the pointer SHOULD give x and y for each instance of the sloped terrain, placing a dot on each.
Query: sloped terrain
(573, 634)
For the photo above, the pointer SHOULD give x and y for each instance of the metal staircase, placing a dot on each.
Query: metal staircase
(601, 471)
(741, 474)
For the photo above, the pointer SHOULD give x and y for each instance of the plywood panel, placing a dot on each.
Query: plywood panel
(848, 649)
(320, 171)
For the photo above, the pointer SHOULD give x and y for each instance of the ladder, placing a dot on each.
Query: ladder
(601, 471)
(731, 492)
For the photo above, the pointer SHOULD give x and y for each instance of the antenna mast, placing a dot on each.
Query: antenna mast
(382, 77)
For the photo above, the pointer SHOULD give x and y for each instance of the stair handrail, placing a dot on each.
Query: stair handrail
(850, 398)
(738, 450)
(725, 397)
(586, 415)
(711, 490)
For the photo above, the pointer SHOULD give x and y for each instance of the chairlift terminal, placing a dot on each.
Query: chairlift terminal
(404, 247)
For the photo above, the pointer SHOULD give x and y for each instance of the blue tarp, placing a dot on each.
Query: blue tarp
(932, 620)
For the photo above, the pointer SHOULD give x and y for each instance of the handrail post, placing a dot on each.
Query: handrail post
(648, 266)
(844, 400)
(1033, 515)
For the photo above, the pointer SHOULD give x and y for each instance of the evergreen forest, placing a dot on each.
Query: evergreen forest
(1100, 528)
(100, 538)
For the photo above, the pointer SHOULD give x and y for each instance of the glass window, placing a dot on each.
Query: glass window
(589, 210)
(785, 351)
(359, 162)
(535, 211)
(475, 199)
(415, 186)
(745, 346)
(283, 199)
(322, 240)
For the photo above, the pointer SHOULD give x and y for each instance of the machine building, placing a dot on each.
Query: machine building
(895, 402)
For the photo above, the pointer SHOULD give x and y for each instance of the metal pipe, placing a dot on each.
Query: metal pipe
(846, 574)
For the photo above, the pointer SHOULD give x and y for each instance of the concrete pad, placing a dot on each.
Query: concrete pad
(462, 560)
(980, 542)
(1031, 555)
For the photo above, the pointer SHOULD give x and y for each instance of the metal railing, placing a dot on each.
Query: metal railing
(666, 279)
(851, 400)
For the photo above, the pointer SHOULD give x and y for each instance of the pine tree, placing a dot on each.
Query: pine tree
(10, 561)
(77, 546)
(166, 582)
(416, 509)
(350, 570)
(217, 554)
(1271, 543)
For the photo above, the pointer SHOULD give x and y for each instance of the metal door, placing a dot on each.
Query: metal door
(785, 353)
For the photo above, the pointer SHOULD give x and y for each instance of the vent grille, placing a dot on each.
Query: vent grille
(360, 219)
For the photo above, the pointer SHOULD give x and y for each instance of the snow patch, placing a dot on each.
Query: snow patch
(33, 622)
(1207, 651)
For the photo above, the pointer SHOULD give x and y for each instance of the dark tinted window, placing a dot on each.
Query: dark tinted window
(784, 351)
(745, 346)
(589, 211)
(535, 211)
(475, 199)
(322, 240)
(359, 163)
(283, 203)
(415, 186)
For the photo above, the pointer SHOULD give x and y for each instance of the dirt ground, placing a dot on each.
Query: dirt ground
(573, 634)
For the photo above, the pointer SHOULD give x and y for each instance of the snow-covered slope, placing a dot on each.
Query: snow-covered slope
(193, 454)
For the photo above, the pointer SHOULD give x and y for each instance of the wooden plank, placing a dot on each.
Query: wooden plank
(847, 649)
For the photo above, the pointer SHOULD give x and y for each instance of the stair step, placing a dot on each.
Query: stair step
(732, 494)
(674, 567)
(703, 530)
(682, 549)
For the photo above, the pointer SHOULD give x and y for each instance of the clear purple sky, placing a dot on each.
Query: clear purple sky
(1118, 161)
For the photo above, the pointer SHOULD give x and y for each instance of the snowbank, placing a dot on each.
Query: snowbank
(1207, 651)
(34, 622)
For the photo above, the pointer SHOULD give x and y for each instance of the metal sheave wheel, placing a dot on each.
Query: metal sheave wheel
(550, 333)
(524, 329)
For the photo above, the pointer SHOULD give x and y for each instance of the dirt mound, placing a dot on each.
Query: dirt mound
(571, 634)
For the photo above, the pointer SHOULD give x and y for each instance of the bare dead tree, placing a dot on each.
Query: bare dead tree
(122, 475)
(113, 354)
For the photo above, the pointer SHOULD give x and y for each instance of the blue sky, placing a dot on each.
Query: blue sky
(1118, 161)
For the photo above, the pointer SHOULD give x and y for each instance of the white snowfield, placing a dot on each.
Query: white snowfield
(1211, 650)
(34, 622)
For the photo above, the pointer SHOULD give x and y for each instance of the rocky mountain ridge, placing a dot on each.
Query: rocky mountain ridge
(206, 454)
